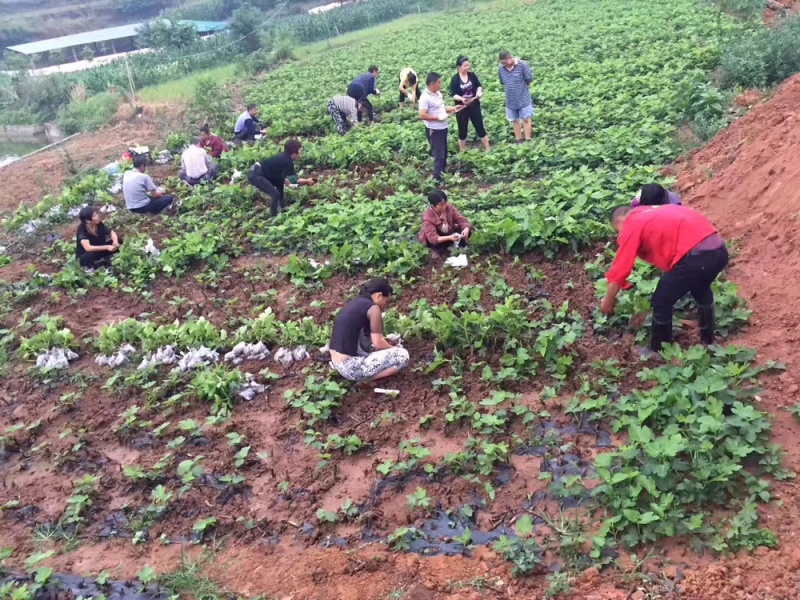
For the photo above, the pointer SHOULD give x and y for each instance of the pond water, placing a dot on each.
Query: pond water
(11, 151)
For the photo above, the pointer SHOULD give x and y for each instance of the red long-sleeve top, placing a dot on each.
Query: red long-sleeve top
(660, 235)
(433, 225)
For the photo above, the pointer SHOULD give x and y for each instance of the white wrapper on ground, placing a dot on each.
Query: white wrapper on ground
(31, 226)
(326, 349)
(75, 212)
(197, 357)
(122, 357)
(150, 248)
(54, 212)
(300, 353)
(116, 186)
(108, 209)
(55, 358)
(2, 249)
(251, 387)
(387, 392)
(236, 175)
(395, 338)
(317, 265)
(459, 261)
(162, 356)
(164, 157)
(244, 351)
(284, 357)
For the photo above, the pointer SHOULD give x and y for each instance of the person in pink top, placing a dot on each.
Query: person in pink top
(443, 226)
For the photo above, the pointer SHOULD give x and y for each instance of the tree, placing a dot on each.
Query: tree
(87, 53)
(164, 34)
(245, 20)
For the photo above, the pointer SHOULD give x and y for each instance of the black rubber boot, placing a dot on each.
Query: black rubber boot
(660, 333)
(707, 324)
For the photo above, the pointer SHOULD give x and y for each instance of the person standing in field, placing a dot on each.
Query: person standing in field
(359, 350)
(466, 90)
(362, 87)
(435, 114)
(682, 243)
(516, 77)
(247, 125)
(344, 112)
(213, 142)
(271, 175)
(409, 86)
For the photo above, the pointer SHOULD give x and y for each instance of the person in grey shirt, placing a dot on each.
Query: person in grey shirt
(516, 77)
(141, 194)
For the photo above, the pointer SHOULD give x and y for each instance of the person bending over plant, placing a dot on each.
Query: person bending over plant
(682, 243)
(653, 194)
(271, 175)
(358, 349)
(443, 227)
(95, 243)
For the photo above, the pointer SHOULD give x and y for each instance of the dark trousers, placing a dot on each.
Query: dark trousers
(438, 141)
(155, 206)
(210, 175)
(357, 92)
(256, 178)
(93, 260)
(693, 275)
(403, 97)
(471, 113)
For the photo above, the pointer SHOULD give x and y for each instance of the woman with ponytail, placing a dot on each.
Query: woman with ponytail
(358, 349)
(466, 90)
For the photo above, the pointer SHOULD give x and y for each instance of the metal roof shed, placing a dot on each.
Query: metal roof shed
(103, 35)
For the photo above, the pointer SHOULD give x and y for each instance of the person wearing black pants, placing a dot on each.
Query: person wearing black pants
(466, 90)
(361, 88)
(682, 243)
(270, 175)
(435, 115)
(95, 243)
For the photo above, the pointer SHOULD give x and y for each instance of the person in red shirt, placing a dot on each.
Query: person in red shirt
(682, 243)
(214, 142)
(442, 225)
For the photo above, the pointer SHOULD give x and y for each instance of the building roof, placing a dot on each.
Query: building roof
(103, 35)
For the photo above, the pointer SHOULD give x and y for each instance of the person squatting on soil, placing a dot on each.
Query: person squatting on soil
(435, 115)
(443, 227)
(95, 243)
(653, 194)
(344, 112)
(465, 88)
(213, 142)
(196, 164)
(361, 87)
(271, 175)
(682, 243)
(358, 349)
(247, 125)
(141, 194)
(516, 77)
(409, 86)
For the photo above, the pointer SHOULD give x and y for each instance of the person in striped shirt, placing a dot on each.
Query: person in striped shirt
(516, 77)
(344, 112)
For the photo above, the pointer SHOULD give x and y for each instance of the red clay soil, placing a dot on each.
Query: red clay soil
(44, 173)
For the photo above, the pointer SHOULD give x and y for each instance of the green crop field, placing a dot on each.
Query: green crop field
(524, 422)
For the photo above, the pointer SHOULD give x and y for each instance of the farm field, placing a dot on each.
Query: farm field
(528, 450)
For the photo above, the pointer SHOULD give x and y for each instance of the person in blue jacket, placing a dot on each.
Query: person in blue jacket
(362, 87)
(247, 125)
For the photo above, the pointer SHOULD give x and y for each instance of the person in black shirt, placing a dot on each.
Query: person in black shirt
(465, 88)
(95, 243)
(358, 349)
(270, 175)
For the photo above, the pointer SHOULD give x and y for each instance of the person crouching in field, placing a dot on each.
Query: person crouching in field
(682, 243)
(653, 194)
(196, 164)
(271, 175)
(140, 192)
(96, 243)
(247, 125)
(344, 112)
(359, 351)
(443, 227)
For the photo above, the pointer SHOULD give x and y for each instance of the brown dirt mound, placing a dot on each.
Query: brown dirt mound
(747, 180)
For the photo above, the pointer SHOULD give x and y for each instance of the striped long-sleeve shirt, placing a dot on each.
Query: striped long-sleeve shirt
(516, 81)
(347, 106)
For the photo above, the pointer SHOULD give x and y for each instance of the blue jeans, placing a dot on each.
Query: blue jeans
(519, 114)
(155, 206)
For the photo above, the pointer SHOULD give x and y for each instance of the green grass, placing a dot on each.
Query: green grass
(181, 90)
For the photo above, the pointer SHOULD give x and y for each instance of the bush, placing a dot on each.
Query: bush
(90, 115)
(763, 58)
(212, 103)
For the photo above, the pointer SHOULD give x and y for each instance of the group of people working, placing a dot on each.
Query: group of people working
(465, 88)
